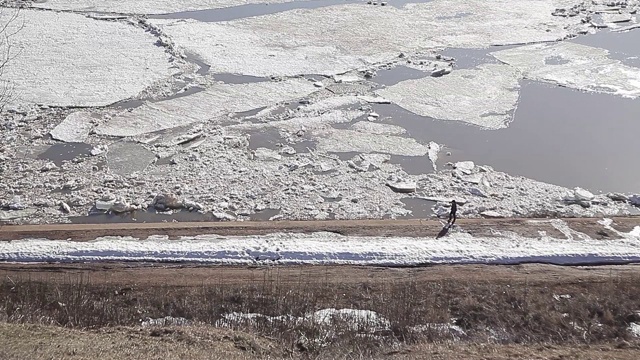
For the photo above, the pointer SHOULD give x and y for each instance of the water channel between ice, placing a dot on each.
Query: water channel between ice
(558, 135)
(251, 10)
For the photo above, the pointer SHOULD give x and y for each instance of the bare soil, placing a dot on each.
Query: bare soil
(410, 228)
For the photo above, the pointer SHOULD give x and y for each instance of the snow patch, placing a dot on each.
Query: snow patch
(634, 234)
(568, 232)
(328, 248)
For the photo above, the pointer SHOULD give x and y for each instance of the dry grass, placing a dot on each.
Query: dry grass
(38, 342)
(595, 313)
(52, 342)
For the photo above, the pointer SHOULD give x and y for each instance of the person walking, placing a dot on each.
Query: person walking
(452, 214)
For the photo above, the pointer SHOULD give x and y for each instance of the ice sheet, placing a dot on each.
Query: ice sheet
(218, 100)
(66, 59)
(576, 66)
(74, 128)
(485, 96)
(332, 40)
(339, 140)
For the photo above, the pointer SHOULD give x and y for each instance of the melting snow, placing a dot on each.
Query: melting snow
(329, 248)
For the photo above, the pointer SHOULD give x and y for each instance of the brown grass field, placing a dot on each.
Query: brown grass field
(91, 311)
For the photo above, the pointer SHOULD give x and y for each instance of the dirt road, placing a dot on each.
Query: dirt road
(411, 228)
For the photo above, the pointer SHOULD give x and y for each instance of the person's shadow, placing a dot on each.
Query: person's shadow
(444, 231)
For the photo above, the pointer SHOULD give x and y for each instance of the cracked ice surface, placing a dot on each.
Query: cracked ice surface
(582, 67)
(145, 7)
(218, 100)
(60, 57)
(483, 96)
(338, 140)
(332, 40)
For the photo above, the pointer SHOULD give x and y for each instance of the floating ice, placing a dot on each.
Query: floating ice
(335, 39)
(74, 128)
(377, 128)
(338, 140)
(125, 158)
(61, 57)
(434, 149)
(218, 100)
(485, 96)
(583, 67)
(306, 122)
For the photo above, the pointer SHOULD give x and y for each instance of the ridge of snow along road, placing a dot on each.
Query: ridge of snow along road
(331, 248)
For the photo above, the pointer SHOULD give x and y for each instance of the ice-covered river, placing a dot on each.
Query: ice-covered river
(320, 109)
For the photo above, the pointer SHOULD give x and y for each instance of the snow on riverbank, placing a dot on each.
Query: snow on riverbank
(330, 248)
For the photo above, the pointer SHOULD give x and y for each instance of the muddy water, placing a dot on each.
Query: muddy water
(59, 153)
(419, 208)
(149, 216)
(238, 79)
(623, 46)
(264, 215)
(251, 10)
(559, 135)
(397, 74)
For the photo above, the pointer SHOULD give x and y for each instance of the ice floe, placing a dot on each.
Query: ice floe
(377, 128)
(218, 100)
(335, 39)
(74, 128)
(581, 67)
(60, 58)
(485, 96)
(338, 140)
